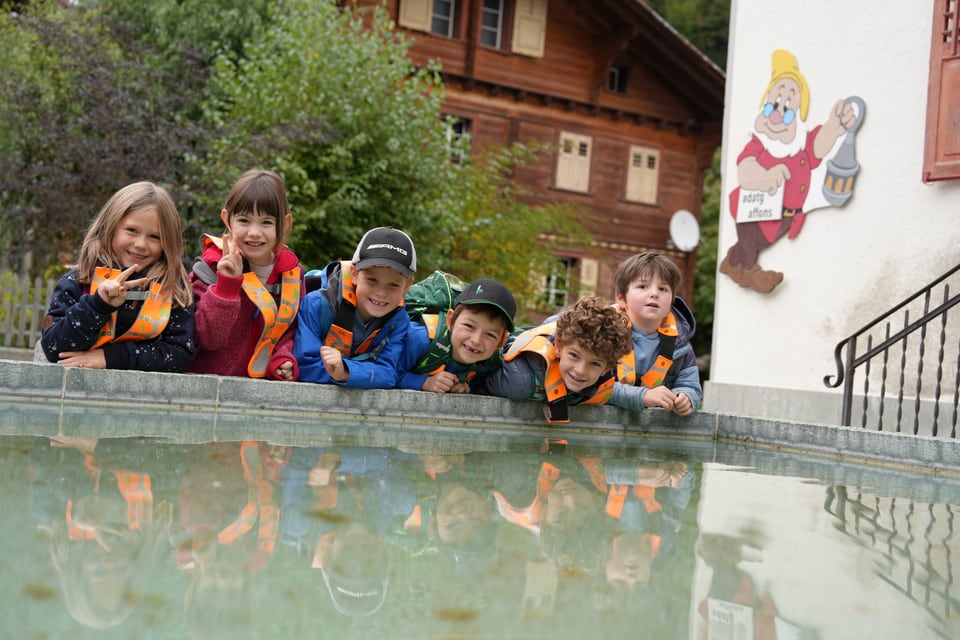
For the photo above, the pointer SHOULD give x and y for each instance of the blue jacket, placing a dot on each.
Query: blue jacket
(377, 475)
(376, 369)
(418, 341)
(684, 375)
(75, 318)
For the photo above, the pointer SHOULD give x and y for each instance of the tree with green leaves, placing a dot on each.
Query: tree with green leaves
(87, 111)
(705, 23)
(329, 99)
(498, 232)
(705, 286)
(191, 93)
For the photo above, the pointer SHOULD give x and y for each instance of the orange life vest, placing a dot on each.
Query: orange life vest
(261, 501)
(654, 377)
(529, 517)
(539, 340)
(323, 548)
(151, 319)
(617, 493)
(430, 321)
(136, 491)
(277, 314)
(340, 335)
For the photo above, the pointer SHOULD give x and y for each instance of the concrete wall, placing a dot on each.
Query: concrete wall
(49, 400)
(850, 264)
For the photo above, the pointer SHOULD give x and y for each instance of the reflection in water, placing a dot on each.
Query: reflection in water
(107, 527)
(917, 546)
(552, 538)
(735, 606)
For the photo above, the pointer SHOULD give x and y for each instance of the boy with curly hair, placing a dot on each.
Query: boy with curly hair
(566, 362)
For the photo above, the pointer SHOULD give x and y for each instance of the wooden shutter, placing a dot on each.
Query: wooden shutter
(573, 162)
(941, 156)
(589, 272)
(415, 14)
(642, 175)
(529, 27)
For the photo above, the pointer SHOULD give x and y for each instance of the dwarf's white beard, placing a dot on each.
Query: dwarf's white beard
(780, 149)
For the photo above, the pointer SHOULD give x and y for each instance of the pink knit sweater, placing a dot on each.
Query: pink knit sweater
(228, 324)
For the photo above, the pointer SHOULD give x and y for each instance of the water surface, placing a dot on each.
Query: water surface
(381, 532)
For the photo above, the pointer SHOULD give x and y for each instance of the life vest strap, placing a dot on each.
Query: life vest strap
(277, 317)
(151, 319)
(655, 376)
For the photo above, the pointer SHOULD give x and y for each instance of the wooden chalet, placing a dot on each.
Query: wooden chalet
(634, 109)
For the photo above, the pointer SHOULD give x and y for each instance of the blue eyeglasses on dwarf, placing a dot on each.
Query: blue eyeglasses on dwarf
(788, 114)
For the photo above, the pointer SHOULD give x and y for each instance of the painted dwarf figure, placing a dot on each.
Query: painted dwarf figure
(782, 152)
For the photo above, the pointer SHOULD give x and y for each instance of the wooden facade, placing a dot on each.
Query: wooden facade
(634, 109)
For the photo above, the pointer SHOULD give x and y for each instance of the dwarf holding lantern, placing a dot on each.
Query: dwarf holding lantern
(774, 170)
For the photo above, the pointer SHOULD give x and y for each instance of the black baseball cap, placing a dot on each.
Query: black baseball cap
(356, 570)
(491, 292)
(386, 247)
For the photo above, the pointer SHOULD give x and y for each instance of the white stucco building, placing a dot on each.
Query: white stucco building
(848, 264)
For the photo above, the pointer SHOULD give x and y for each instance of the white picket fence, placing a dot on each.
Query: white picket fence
(23, 303)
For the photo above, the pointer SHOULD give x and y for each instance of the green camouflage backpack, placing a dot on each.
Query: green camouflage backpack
(436, 293)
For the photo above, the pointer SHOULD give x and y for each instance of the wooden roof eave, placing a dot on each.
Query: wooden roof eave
(682, 66)
(522, 94)
(606, 57)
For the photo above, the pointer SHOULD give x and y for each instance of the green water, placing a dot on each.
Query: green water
(380, 531)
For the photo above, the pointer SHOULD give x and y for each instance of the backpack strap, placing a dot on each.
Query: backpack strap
(203, 271)
(207, 275)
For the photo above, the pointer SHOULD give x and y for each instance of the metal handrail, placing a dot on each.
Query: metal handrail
(847, 366)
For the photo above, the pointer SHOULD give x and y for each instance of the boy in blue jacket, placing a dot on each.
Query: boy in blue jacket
(351, 330)
(661, 370)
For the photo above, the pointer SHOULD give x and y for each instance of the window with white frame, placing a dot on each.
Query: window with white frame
(617, 78)
(458, 138)
(556, 290)
(642, 175)
(491, 23)
(443, 17)
(440, 17)
(573, 162)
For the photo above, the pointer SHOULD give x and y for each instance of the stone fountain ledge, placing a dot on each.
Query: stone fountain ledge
(199, 408)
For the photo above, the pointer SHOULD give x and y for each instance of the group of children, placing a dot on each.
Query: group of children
(248, 308)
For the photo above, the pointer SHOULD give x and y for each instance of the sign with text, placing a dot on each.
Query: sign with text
(728, 620)
(759, 206)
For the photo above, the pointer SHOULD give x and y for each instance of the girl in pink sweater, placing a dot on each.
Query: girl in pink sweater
(248, 285)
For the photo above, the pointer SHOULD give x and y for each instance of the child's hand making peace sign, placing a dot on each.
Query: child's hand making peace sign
(114, 291)
(231, 264)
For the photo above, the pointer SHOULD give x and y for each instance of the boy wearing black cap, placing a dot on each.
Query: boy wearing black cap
(449, 350)
(351, 329)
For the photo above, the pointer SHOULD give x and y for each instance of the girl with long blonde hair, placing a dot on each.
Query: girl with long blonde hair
(127, 303)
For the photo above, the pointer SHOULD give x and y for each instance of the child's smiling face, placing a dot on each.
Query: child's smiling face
(647, 302)
(137, 239)
(380, 290)
(256, 234)
(579, 367)
(475, 335)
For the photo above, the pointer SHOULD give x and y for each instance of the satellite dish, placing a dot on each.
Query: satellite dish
(684, 230)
